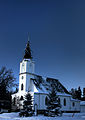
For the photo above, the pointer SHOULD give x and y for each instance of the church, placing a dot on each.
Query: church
(39, 88)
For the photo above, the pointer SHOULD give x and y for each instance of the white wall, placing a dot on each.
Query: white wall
(27, 74)
(39, 99)
(22, 81)
(76, 107)
(68, 104)
(29, 82)
(30, 66)
(82, 108)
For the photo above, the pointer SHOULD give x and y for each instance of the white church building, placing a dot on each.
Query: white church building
(39, 87)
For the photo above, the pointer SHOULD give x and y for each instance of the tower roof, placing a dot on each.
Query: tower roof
(27, 54)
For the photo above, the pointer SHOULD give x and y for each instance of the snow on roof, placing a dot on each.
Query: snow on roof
(44, 85)
(72, 99)
(15, 94)
(63, 94)
(82, 103)
(42, 89)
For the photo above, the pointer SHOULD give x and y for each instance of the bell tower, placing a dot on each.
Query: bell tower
(26, 71)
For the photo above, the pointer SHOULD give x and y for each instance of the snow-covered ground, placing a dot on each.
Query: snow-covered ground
(66, 116)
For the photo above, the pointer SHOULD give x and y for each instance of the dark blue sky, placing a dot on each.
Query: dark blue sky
(57, 29)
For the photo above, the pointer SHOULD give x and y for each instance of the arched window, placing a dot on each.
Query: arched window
(64, 102)
(46, 100)
(22, 77)
(21, 98)
(14, 101)
(73, 104)
(22, 86)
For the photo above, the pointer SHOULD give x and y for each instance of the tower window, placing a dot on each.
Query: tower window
(22, 86)
(64, 102)
(22, 77)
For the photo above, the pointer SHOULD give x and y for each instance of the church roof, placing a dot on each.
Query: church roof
(44, 85)
(27, 54)
(72, 99)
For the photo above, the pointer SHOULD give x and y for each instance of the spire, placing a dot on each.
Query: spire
(28, 51)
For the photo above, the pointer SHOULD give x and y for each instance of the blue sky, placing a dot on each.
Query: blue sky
(57, 36)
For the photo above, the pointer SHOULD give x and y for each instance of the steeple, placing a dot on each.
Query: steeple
(28, 51)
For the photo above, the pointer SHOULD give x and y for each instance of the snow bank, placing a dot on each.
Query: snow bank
(66, 116)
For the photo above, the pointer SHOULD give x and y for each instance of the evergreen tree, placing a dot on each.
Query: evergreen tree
(79, 93)
(84, 92)
(53, 101)
(72, 92)
(27, 105)
(76, 93)
(83, 97)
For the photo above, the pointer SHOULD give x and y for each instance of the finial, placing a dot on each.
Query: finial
(28, 36)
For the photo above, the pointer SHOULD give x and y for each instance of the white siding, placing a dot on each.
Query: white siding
(39, 99)
(76, 106)
(82, 108)
(67, 107)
